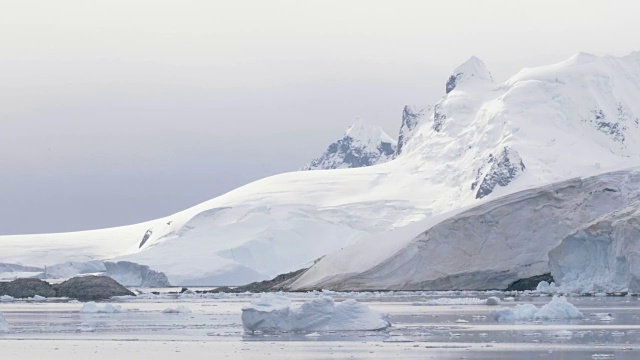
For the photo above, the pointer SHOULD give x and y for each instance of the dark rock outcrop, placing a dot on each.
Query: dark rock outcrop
(279, 283)
(438, 118)
(146, 237)
(504, 169)
(91, 288)
(452, 82)
(411, 117)
(25, 288)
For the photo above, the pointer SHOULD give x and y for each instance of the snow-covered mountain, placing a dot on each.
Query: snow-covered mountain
(481, 141)
(362, 145)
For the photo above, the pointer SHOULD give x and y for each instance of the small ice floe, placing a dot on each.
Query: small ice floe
(181, 309)
(605, 317)
(6, 298)
(274, 313)
(93, 308)
(557, 308)
(84, 327)
(461, 321)
(453, 301)
(563, 334)
(4, 325)
(38, 298)
(603, 356)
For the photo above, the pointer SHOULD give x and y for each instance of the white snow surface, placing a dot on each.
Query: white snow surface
(274, 313)
(557, 309)
(572, 119)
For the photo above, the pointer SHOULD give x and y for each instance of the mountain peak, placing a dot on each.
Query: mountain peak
(472, 69)
(362, 145)
(366, 133)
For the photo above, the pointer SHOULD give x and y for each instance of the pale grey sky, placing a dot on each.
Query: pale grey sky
(115, 112)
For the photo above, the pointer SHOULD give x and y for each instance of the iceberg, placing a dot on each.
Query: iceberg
(274, 313)
(557, 309)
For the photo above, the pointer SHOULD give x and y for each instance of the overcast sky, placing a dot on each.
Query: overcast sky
(115, 112)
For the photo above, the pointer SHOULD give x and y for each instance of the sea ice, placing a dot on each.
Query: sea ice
(557, 308)
(6, 298)
(92, 307)
(273, 312)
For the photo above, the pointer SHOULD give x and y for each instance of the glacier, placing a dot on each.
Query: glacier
(491, 243)
(512, 139)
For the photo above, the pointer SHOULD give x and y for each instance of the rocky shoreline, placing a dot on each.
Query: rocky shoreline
(83, 288)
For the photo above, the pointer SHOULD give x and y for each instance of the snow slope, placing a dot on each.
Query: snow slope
(362, 145)
(482, 140)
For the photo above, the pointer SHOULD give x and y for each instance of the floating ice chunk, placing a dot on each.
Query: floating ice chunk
(461, 321)
(4, 325)
(177, 310)
(84, 327)
(92, 308)
(522, 312)
(274, 313)
(557, 308)
(603, 316)
(603, 356)
(544, 286)
(38, 298)
(493, 301)
(6, 298)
